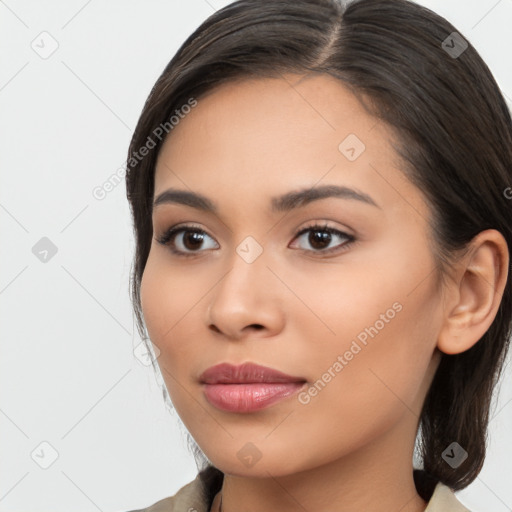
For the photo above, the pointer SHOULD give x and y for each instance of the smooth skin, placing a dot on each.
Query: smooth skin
(296, 308)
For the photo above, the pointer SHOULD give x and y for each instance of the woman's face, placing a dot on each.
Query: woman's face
(354, 312)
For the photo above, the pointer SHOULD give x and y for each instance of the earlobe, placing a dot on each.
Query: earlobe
(477, 289)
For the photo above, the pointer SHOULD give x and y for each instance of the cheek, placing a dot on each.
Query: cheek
(162, 301)
(155, 293)
(168, 296)
(374, 385)
(384, 340)
(172, 306)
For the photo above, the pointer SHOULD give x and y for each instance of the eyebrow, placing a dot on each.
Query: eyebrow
(283, 203)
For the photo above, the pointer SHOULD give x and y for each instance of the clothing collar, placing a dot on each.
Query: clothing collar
(190, 498)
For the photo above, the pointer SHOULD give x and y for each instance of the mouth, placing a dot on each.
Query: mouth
(248, 387)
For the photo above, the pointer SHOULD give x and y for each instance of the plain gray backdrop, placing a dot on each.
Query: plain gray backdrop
(83, 425)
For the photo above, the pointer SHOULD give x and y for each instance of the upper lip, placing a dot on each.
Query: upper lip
(226, 373)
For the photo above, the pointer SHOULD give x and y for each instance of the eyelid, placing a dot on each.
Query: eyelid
(325, 224)
(325, 227)
(170, 233)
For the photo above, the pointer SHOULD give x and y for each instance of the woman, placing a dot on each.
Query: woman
(319, 195)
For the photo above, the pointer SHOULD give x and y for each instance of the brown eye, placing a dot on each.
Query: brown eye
(185, 240)
(319, 238)
(192, 239)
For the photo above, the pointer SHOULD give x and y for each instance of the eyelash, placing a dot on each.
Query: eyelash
(167, 238)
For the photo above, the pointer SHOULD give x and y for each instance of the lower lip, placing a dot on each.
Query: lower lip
(249, 397)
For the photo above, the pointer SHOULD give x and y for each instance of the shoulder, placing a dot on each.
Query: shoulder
(189, 498)
(444, 500)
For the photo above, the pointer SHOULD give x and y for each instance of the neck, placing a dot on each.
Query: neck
(376, 477)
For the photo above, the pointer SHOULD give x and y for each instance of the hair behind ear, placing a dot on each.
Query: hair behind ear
(425, 483)
(457, 408)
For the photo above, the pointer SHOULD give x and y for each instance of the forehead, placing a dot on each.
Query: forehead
(321, 101)
(277, 134)
(291, 118)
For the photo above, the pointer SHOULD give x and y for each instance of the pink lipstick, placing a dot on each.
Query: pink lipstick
(248, 387)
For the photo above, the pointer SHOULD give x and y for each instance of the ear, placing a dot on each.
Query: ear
(475, 293)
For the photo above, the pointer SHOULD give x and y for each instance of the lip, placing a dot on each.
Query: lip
(246, 373)
(248, 387)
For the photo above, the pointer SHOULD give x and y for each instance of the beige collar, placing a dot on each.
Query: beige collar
(189, 497)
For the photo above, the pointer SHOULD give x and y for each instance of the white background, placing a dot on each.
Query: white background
(68, 375)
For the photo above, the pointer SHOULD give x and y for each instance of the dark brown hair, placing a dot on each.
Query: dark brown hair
(453, 131)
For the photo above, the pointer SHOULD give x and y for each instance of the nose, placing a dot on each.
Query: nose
(247, 301)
